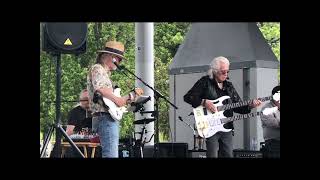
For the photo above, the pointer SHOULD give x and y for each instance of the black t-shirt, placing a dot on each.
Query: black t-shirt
(80, 118)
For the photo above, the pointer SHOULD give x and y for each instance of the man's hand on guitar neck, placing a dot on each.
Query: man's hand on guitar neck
(255, 103)
(209, 105)
(134, 94)
(138, 91)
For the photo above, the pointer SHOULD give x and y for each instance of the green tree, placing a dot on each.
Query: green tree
(271, 32)
(167, 38)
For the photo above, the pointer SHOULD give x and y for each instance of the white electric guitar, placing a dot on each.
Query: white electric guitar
(222, 106)
(209, 124)
(115, 111)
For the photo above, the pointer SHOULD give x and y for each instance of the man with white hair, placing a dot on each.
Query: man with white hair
(211, 87)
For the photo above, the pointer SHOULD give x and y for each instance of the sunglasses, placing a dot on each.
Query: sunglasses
(117, 58)
(224, 72)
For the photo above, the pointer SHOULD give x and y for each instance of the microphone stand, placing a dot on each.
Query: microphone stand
(157, 95)
(194, 132)
(64, 101)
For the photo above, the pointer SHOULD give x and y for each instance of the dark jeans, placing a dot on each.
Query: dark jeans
(271, 149)
(220, 144)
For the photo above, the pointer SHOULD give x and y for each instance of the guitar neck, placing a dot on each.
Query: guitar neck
(240, 104)
(239, 117)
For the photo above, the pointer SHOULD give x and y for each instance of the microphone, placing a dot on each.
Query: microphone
(115, 63)
(119, 67)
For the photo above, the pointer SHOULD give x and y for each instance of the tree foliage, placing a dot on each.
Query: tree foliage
(271, 32)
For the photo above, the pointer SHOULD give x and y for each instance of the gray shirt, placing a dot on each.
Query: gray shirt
(271, 123)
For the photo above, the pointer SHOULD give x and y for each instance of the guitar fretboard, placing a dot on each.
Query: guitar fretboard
(242, 116)
(240, 104)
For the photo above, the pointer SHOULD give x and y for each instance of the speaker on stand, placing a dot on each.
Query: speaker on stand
(58, 38)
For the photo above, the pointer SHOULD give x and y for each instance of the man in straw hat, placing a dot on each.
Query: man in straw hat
(98, 80)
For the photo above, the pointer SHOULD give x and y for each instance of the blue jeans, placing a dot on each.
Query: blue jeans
(108, 131)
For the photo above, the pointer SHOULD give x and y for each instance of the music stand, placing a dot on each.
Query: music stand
(138, 104)
(57, 126)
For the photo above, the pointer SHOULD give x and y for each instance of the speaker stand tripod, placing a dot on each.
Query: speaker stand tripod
(57, 125)
(59, 130)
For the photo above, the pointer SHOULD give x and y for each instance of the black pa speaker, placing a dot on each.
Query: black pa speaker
(171, 150)
(65, 38)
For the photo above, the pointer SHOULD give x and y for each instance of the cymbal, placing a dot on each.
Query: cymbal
(144, 121)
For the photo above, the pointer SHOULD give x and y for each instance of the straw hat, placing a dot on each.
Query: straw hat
(113, 47)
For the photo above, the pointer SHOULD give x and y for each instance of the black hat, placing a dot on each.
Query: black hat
(275, 89)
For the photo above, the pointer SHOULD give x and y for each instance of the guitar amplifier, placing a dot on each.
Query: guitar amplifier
(125, 152)
(241, 153)
(125, 148)
(171, 150)
(197, 153)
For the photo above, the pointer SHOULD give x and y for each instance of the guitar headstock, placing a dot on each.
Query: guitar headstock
(138, 91)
